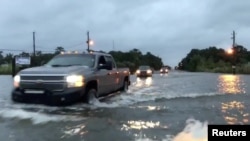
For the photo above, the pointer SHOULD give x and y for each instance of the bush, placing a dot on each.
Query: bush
(5, 69)
(244, 69)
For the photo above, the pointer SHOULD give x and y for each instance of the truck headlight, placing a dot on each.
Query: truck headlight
(137, 71)
(149, 71)
(75, 80)
(17, 80)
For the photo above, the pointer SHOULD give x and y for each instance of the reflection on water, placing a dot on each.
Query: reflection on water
(164, 75)
(151, 108)
(143, 81)
(234, 112)
(231, 84)
(138, 125)
(75, 130)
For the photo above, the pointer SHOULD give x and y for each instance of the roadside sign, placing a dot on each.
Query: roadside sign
(22, 60)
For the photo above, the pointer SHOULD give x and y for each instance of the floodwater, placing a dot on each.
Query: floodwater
(174, 107)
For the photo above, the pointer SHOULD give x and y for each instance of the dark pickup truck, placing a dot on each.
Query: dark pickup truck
(70, 77)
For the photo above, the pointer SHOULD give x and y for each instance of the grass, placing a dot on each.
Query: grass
(244, 69)
(5, 69)
(240, 69)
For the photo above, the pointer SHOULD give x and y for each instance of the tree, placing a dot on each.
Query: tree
(134, 58)
(24, 54)
(1, 57)
(210, 58)
(59, 49)
(8, 57)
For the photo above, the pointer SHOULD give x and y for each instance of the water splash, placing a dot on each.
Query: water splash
(194, 131)
(144, 95)
(35, 117)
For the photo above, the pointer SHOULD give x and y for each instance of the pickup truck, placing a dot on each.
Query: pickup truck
(144, 71)
(70, 77)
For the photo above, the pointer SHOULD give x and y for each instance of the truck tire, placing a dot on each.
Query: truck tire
(125, 86)
(90, 96)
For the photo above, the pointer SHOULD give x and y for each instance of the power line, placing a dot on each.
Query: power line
(42, 47)
(47, 51)
(12, 50)
(75, 45)
(16, 50)
(69, 47)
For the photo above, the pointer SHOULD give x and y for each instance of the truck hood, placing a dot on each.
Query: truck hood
(54, 70)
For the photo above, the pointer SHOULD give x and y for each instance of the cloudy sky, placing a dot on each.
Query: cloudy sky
(166, 28)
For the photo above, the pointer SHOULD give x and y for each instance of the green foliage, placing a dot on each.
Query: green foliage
(37, 60)
(5, 69)
(213, 59)
(131, 59)
(59, 49)
(134, 58)
(41, 59)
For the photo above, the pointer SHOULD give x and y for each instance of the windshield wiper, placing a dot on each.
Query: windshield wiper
(58, 65)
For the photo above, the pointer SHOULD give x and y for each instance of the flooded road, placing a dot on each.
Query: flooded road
(162, 108)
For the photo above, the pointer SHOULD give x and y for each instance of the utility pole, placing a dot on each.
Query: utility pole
(34, 45)
(234, 53)
(113, 45)
(88, 41)
(233, 38)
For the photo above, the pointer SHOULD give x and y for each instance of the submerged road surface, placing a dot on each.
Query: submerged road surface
(173, 107)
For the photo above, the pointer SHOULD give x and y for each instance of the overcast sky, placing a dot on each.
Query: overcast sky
(166, 28)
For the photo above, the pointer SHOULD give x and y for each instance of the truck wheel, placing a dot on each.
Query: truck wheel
(125, 86)
(91, 96)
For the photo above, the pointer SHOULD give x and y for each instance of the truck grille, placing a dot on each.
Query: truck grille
(143, 72)
(43, 86)
(59, 78)
(51, 83)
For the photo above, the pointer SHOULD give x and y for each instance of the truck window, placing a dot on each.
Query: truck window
(144, 67)
(101, 60)
(71, 60)
(109, 58)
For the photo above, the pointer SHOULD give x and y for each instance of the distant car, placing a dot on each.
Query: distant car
(144, 71)
(164, 70)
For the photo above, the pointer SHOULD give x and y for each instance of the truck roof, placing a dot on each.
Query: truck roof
(82, 53)
(99, 53)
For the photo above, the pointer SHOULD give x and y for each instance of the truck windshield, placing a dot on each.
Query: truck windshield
(72, 60)
(144, 67)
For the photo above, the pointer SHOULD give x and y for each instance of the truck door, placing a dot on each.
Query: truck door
(114, 74)
(104, 77)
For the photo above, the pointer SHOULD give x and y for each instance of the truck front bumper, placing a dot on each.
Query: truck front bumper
(68, 96)
(144, 75)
